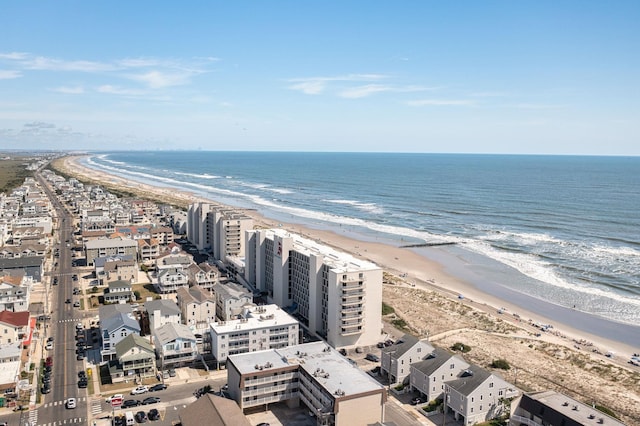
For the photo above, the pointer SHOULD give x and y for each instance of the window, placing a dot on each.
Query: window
(499, 393)
(452, 366)
(491, 384)
(419, 350)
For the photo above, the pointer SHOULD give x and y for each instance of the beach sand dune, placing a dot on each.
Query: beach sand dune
(426, 302)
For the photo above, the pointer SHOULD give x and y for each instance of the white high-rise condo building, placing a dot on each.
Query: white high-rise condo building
(217, 229)
(334, 294)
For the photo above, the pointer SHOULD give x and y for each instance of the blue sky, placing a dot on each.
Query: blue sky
(541, 77)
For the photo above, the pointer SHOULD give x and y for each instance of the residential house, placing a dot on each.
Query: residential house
(553, 408)
(148, 249)
(203, 275)
(216, 409)
(116, 323)
(429, 376)
(163, 234)
(175, 345)
(118, 292)
(169, 280)
(396, 360)
(14, 293)
(120, 270)
(30, 267)
(197, 307)
(231, 299)
(478, 395)
(14, 327)
(135, 359)
(161, 312)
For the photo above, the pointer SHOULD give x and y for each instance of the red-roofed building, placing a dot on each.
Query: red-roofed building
(14, 326)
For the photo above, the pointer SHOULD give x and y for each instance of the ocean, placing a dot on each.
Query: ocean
(562, 229)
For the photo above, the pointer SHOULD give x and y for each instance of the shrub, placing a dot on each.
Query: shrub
(386, 309)
(136, 294)
(458, 346)
(501, 364)
(606, 411)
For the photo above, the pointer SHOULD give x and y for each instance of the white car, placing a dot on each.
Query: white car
(139, 390)
(49, 346)
(71, 403)
(116, 396)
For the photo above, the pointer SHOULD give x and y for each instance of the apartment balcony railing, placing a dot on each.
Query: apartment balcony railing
(268, 400)
(347, 294)
(289, 387)
(524, 420)
(269, 379)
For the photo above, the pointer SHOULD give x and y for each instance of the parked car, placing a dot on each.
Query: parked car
(372, 357)
(158, 387)
(150, 400)
(49, 346)
(141, 417)
(76, 304)
(80, 356)
(154, 414)
(418, 400)
(130, 403)
(45, 389)
(139, 390)
(342, 351)
(49, 361)
(83, 383)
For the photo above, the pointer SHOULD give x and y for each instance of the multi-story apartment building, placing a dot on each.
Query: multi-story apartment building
(335, 295)
(203, 275)
(217, 229)
(104, 247)
(261, 327)
(231, 299)
(334, 391)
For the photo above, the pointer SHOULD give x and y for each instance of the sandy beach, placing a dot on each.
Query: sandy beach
(447, 309)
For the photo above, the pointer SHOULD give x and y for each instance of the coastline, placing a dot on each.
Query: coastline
(421, 269)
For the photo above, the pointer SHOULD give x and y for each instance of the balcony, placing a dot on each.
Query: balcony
(269, 379)
(349, 294)
(524, 420)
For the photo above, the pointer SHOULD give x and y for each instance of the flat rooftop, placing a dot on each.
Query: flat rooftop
(330, 369)
(336, 259)
(264, 316)
(573, 409)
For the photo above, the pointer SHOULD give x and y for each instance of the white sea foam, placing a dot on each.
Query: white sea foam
(196, 175)
(367, 207)
(533, 267)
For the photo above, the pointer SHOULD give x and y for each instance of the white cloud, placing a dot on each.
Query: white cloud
(9, 74)
(370, 89)
(317, 85)
(77, 90)
(14, 55)
(158, 79)
(42, 63)
(116, 90)
(537, 106)
(441, 102)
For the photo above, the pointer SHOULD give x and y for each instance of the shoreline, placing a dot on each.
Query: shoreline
(418, 268)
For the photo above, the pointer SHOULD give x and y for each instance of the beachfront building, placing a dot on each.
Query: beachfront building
(396, 360)
(259, 328)
(231, 299)
(217, 229)
(175, 345)
(554, 408)
(429, 376)
(314, 374)
(478, 395)
(197, 307)
(103, 247)
(334, 294)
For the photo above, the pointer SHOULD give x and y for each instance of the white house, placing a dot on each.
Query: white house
(197, 307)
(175, 345)
(161, 312)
